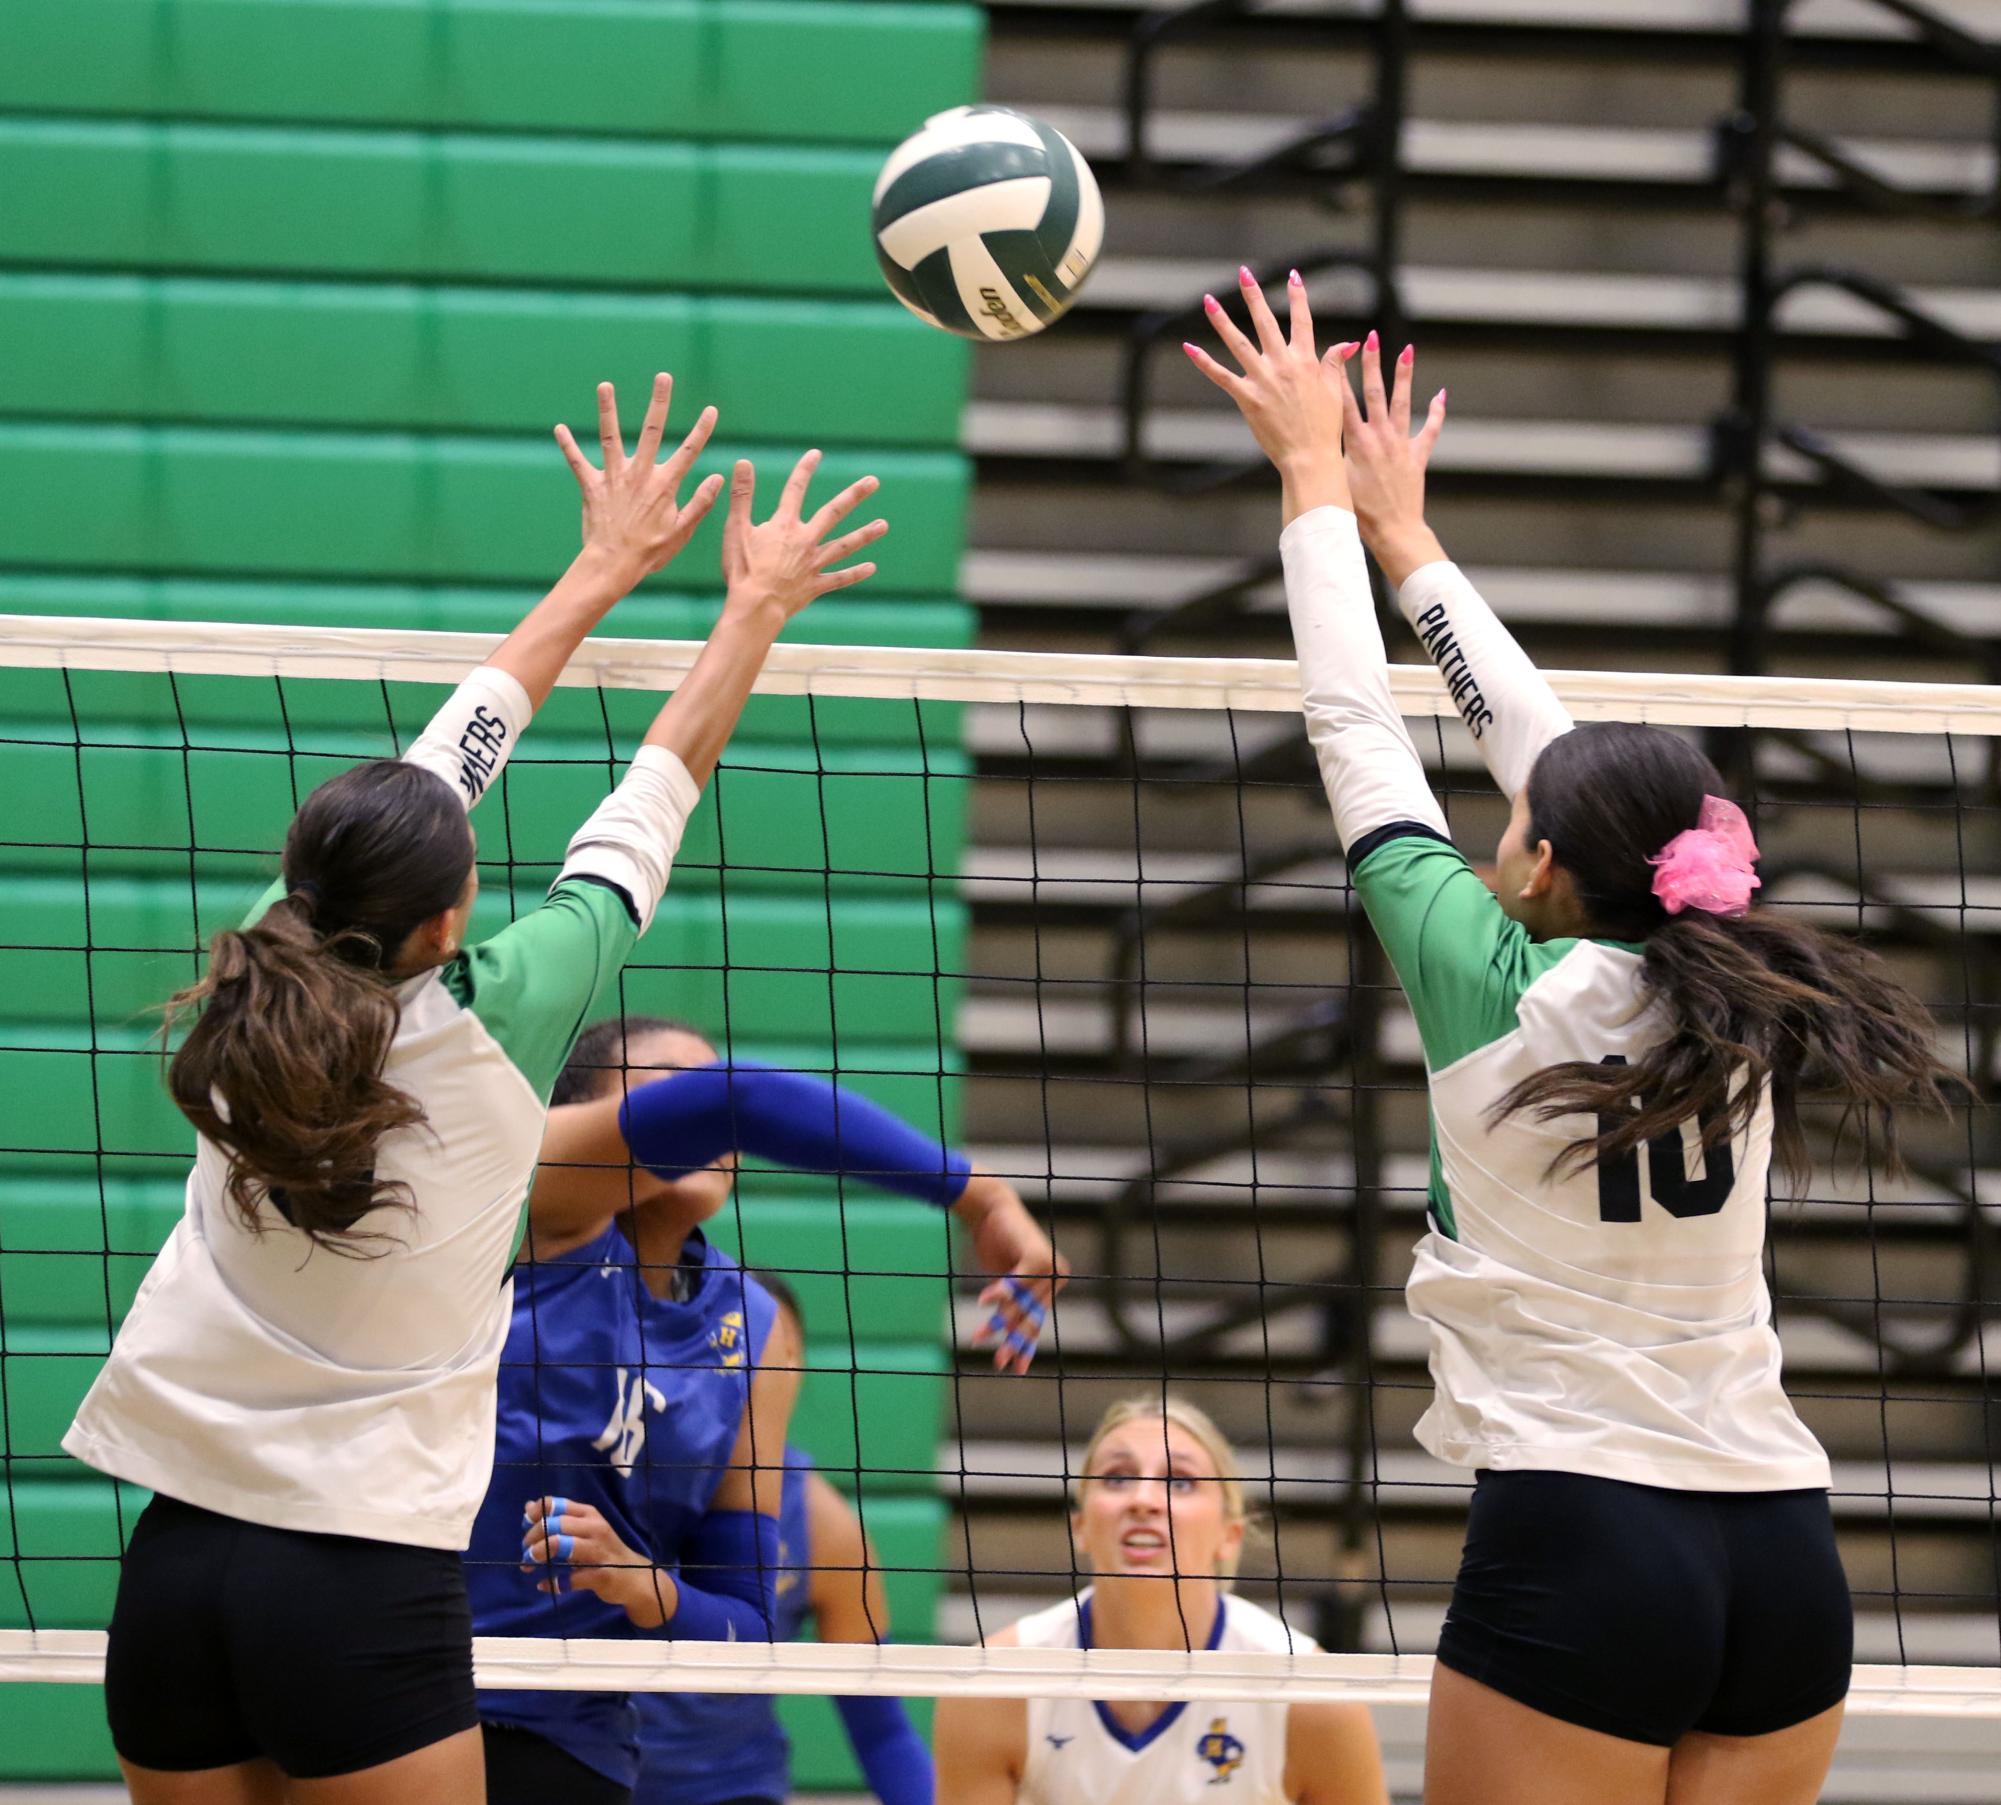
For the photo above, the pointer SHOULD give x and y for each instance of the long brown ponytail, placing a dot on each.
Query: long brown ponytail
(282, 1068)
(1751, 1001)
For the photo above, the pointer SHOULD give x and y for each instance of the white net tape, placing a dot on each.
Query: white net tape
(1267, 685)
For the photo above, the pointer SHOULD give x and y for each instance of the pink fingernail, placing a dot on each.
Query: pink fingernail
(1293, 280)
(1371, 340)
(1441, 395)
(1213, 305)
(1409, 352)
(1245, 277)
(1190, 349)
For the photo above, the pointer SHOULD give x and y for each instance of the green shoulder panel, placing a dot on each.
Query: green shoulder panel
(1462, 962)
(536, 983)
(256, 911)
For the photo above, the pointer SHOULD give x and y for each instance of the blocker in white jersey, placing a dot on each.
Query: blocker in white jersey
(1192, 1754)
(1616, 1044)
(307, 1376)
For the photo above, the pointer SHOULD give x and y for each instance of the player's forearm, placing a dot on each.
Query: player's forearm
(1368, 765)
(1506, 703)
(535, 653)
(703, 712)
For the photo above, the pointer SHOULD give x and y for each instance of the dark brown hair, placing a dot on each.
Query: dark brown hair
(599, 1055)
(283, 1066)
(1750, 1001)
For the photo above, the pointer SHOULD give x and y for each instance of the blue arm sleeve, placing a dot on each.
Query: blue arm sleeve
(679, 1124)
(890, 1751)
(728, 1579)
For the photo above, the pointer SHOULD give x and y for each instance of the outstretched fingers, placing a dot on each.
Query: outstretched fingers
(655, 424)
(1434, 424)
(1403, 382)
(843, 504)
(848, 578)
(1372, 378)
(1227, 330)
(736, 523)
(1227, 380)
(1302, 315)
(580, 466)
(698, 505)
(676, 468)
(1262, 320)
(849, 543)
(792, 502)
(1335, 364)
(610, 439)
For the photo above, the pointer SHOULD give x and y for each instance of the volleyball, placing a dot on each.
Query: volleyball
(987, 223)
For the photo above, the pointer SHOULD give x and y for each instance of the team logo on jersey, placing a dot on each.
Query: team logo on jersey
(727, 1339)
(625, 1434)
(1222, 1751)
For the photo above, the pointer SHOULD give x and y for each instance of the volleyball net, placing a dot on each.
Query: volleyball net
(1086, 917)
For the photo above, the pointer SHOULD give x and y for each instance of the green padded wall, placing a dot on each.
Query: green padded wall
(291, 293)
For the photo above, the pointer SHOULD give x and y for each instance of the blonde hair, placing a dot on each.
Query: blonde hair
(1199, 1425)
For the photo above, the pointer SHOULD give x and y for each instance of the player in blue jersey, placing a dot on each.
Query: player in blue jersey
(644, 1393)
(1651, 1606)
(720, 1748)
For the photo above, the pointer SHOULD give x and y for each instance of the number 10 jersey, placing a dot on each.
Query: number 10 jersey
(1612, 1320)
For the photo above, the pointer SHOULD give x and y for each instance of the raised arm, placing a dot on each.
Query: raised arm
(1293, 404)
(678, 1124)
(634, 524)
(1511, 712)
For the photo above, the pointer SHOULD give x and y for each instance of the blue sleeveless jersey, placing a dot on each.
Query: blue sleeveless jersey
(615, 1399)
(700, 1748)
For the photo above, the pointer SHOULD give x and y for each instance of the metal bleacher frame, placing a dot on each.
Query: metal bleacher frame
(1766, 468)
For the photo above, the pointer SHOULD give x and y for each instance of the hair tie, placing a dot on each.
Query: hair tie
(1708, 866)
(306, 888)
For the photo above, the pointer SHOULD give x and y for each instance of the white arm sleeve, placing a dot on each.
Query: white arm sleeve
(469, 738)
(1511, 712)
(633, 834)
(1367, 761)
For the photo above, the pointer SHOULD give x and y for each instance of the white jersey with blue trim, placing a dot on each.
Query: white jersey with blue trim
(1218, 1754)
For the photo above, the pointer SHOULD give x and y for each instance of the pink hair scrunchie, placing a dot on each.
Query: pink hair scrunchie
(1708, 866)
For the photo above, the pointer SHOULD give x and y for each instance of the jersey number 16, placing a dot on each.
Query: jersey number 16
(1668, 1181)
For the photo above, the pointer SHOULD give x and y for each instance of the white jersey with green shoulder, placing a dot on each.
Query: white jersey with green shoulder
(1614, 1321)
(280, 1383)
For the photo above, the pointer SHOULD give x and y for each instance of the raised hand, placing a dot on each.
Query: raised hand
(1283, 394)
(1009, 1242)
(632, 507)
(1386, 464)
(788, 559)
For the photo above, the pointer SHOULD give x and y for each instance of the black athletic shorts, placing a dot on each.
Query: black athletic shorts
(325, 1654)
(523, 1768)
(1647, 1613)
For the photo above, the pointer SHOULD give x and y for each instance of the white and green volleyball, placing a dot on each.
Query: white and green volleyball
(987, 222)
